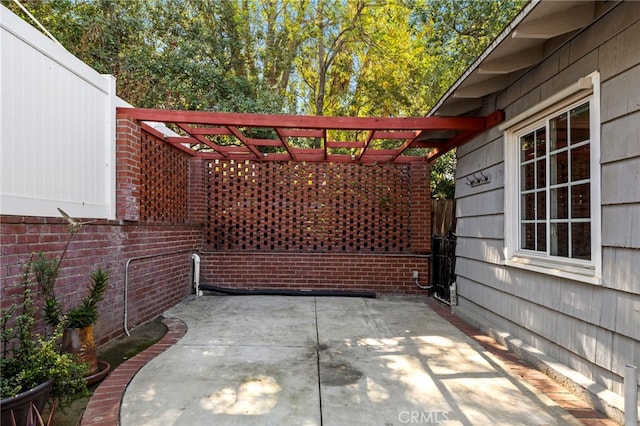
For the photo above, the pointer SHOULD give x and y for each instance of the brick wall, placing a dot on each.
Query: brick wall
(420, 230)
(164, 182)
(256, 225)
(378, 272)
(155, 283)
(197, 199)
(128, 163)
(331, 226)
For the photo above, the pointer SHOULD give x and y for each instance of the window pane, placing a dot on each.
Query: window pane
(558, 132)
(581, 240)
(541, 207)
(560, 239)
(580, 201)
(529, 236)
(541, 237)
(555, 185)
(559, 168)
(528, 206)
(559, 203)
(580, 123)
(580, 163)
(528, 171)
(527, 143)
(541, 173)
(541, 142)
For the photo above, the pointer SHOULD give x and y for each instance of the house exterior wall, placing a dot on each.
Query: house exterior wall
(593, 329)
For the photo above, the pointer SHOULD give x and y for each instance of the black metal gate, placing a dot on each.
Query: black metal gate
(444, 265)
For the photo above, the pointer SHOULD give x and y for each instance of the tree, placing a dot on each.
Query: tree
(443, 184)
(281, 28)
(182, 54)
(323, 57)
(363, 58)
(333, 28)
(460, 31)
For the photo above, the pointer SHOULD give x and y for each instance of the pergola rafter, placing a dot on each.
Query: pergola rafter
(220, 135)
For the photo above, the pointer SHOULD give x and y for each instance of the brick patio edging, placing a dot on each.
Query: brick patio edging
(103, 408)
(574, 405)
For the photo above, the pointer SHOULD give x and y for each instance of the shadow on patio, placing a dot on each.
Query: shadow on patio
(331, 361)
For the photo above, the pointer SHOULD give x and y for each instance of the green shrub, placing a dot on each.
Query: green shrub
(30, 359)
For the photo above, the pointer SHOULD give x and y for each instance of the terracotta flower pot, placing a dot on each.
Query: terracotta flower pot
(79, 341)
(103, 370)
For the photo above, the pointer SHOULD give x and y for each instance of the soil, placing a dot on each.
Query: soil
(115, 353)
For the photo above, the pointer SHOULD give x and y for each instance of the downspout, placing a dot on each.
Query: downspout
(453, 296)
(630, 395)
(126, 282)
(195, 264)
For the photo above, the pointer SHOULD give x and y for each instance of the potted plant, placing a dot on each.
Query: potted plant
(78, 321)
(33, 368)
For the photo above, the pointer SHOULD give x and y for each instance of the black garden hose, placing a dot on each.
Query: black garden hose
(286, 292)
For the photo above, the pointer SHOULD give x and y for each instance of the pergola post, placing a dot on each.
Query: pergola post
(420, 208)
(197, 195)
(128, 168)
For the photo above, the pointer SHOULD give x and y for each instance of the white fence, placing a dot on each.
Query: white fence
(57, 128)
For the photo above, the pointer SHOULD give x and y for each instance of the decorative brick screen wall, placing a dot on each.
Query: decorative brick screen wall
(329, 226)
(301, 207)
(341, 226)
(164, 182)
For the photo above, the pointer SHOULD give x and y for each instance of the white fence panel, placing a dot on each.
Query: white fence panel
(57, 128)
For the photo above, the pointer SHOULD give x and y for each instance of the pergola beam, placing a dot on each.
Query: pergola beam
(306, 122)
(242, 138)
(463, 137)
(204, 128)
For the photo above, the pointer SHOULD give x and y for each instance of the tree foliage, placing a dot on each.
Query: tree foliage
(443, 170)
(322, 57)
(459, 31)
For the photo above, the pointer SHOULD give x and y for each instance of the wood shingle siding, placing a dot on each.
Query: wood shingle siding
(592, 329)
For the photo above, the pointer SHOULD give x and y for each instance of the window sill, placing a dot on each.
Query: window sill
(585, 275)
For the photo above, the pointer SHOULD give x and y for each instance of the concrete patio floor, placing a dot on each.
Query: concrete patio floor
(271, 360)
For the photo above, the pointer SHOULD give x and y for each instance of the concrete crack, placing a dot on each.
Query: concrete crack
(318, 348)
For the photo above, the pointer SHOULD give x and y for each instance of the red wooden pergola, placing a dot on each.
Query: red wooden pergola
(269, 137)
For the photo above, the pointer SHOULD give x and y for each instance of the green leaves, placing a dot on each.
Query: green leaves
(295, 56)
(443, 170)
(29, 359)
(461, 29)
(355, 58)
(87, 313)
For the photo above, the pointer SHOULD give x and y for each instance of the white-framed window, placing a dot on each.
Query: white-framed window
(552, 185)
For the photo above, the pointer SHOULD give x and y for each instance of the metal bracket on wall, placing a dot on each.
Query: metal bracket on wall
(476, 180)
